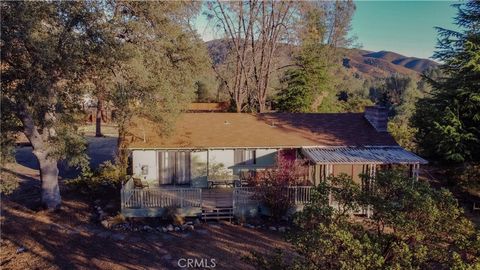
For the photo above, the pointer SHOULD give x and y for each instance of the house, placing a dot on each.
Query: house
(208, 150)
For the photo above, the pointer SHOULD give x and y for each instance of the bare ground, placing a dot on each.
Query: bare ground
(72, 238)
(67, 239)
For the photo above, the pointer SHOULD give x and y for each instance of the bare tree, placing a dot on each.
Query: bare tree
(254, 29)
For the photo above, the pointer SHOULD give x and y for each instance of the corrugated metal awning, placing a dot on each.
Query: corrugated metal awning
(362, 155)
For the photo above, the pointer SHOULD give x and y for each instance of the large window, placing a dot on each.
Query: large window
(174, 167)
(245, 157)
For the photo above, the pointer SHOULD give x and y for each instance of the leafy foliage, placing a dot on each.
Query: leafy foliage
(414, 227)
(8, 182)
(47, 49)
(448, 121)
(310, 85)
(161, 59)
(273, 184)
(466, 176)
(296, 96)
(201, 92)
(140, 57)
(104, 181)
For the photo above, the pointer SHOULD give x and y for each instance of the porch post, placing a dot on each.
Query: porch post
(208, 164)
(414, 171)
(329, 170)
(372, 173)
(296, 195)
(417, 169)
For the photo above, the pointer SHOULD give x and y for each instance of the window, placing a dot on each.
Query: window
(245, 157)
(174, 167)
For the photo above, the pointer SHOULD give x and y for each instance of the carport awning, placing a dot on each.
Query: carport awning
(362, 155)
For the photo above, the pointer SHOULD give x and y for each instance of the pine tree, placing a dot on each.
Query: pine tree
(295, 96)
(448, 120)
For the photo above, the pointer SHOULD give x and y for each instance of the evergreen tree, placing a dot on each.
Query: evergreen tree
(448, 120)
(295, 96)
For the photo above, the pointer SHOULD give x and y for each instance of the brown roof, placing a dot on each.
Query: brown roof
(271, 130)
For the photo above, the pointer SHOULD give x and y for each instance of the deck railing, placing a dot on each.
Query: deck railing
(159, 197)
(156, 197)
(298, 195)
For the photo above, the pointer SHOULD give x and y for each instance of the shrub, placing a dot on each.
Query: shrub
(8, 182)
(118, 219)
(469, 176)
(273, 185)
(172, 214)
(415, 227)
(107, 178)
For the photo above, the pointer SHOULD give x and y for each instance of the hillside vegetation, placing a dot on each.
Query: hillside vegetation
(366, 63)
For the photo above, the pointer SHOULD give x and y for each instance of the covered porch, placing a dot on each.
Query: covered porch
(358, 161)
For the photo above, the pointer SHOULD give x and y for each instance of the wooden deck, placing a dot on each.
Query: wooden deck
(154, 201)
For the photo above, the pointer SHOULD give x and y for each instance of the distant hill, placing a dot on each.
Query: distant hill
(367, 63)
(385, 63)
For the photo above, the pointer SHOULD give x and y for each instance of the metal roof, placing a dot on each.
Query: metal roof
(362, 155)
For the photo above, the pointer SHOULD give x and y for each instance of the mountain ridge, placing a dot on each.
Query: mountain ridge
(372, 64)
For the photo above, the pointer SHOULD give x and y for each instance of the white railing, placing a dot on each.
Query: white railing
(244, 195)
(300, 195)
(297, 194)
(157, 197)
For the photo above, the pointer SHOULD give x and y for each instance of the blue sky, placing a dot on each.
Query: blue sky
(405, 27)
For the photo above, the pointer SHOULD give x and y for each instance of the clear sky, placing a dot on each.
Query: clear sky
(405, 27)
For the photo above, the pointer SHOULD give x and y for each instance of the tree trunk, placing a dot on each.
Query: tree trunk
(98, 122)
(122, 154)
(238, 107)
(49, 176)
(261, 105)
(48, 166)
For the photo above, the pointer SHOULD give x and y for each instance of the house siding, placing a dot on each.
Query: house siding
(353, 170)
(145, 158)
(198, 169)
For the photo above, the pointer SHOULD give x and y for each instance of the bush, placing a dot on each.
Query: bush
(414, 227)
(273, 185)
(107, 178)
(172, 213)
(8, 183)
(469, 176)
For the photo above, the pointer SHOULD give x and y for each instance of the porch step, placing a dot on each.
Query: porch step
(219, 213)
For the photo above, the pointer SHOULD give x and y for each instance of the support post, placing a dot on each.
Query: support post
(329, 170)
(372, 173)
(182, 197)
(142, 203)
(208, 165)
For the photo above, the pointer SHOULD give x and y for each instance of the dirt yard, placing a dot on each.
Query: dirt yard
(72, 238)
(68, 240)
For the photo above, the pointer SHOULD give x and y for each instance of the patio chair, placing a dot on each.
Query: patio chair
(137, 183)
